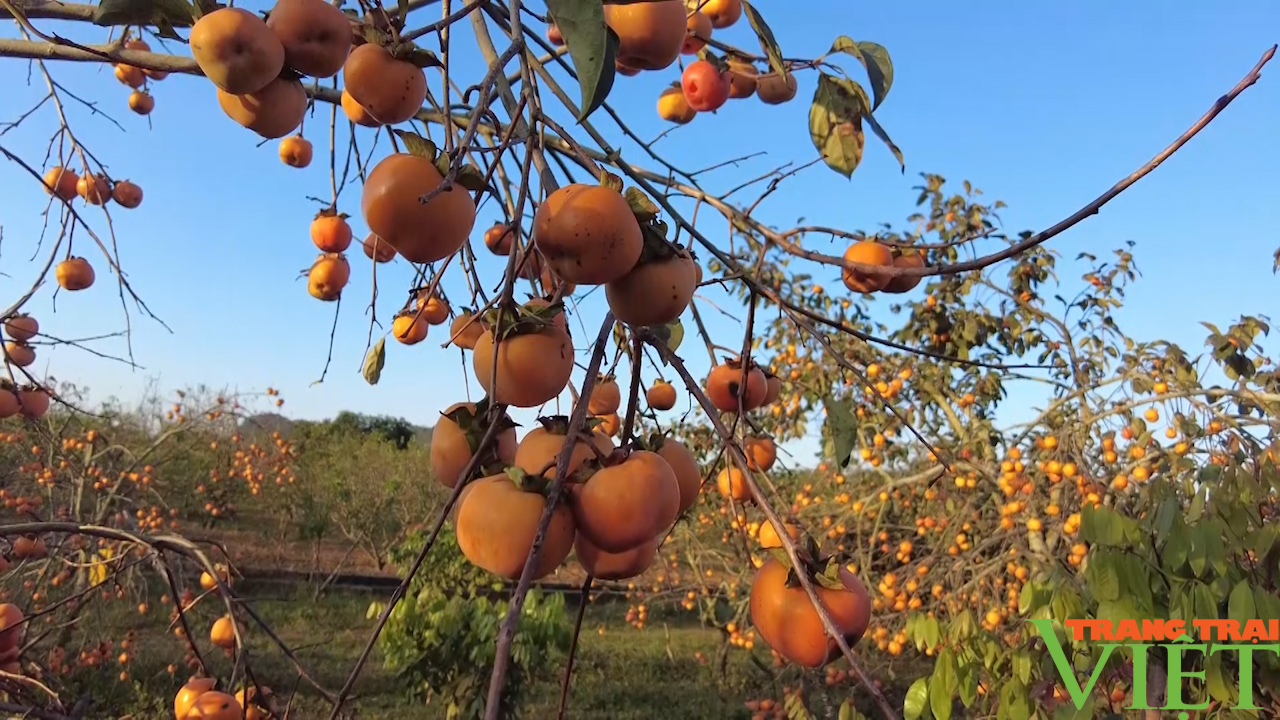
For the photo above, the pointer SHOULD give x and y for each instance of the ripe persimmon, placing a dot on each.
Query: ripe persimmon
(141, 102)
(222, 634)
(127, 194)
(697, 32)
(705, 85)
(74, 273)
(655, 292)
(768, 535)
(498, 239)
(258, 702)
(623, 506)
(868, 252)
(34, 402)
(9, 406)
(236, 50)
(215, 705)
(409, 328)
(786, 619)
(295, 150)
(130, 75)
(390, 90)
(95, 189)
(610, 424)
(900, 284)
(733, 485)
(328, 276)
(606, 397)
(377, 249)
(723, 13)
(615, 566)
(554, 36)
(11, 618)
(587, 234)
(356, 113)
(435, 310)
(331, 232)
(272, 111)
(420, 232)
(673, 107)
(625, 70)
(190, 692)
(773, 385)
(497, 523)
(742, 79)
(773, 90)
(540, 447)
(141, 46)
(532, 362)
(21, 327)
(686, 469)
(456, 435)
(315, 34)
(61, 182)
(662, 396)
(761, 452)
(466, 330)
(19, 354)
(725, 383)
(650, 34)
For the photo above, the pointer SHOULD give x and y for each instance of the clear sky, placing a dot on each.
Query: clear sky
(1043, 105)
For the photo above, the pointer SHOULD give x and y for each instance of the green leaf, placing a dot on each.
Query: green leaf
(592, 45)
(1240, 605)
(835, 123)
(846, 711)
(641, 206)
(173, 13)
(470, 177)
(942, 685)
(884, 138)
(419, 146)
(1218, 687)
(841, 426)
(767, 41)
(374, 362)
(1104, 581)
(917, 695)
(875, 58)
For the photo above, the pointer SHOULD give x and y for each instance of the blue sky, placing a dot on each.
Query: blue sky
(1042, 105)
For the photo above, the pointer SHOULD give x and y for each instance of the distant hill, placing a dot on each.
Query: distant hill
(396, 429)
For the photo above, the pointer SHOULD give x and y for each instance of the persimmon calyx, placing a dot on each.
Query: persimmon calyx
(523, 318)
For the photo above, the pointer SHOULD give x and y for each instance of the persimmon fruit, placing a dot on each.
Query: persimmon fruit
(127, 194)
(435, 310)
(222, 633)
(328, 276)
(768, 535)
(19, 354)
(761, 453)
(662, 396)
(531, 367)
(725, 382)
(498, 239)
(95, 189)
(686, 469)
(420, 232)
(697, 32)
(786, 619)
(541, 446)
(141, 102)
(21, 327)
(295, 150)
(773, 90)
(733, 485)
(11, 618)
(316, 35)
(653, 293)
(723, 13)
(587, 234)
(215, 705)
(356, 113)
(466, 330)
(409, 328)
(190, 692)
(625, 505)
(273, 111)
(606, 396)
(452, 443)
(610, 424)
(742, 79)
(673, 107)
(330, 232)
(130, 75)
(554, 36)
(63, 182)
(377, 249)
(650, 34)
(902, 284)
(867, 252)
(34, 402)
(773, 388)
(705, 85)
(236, 50)
(616, 566)
(389, 89)
(497, 523)
(74, 273)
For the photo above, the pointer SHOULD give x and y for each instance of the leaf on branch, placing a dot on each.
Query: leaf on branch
(767, 41)
(884, 138)
(842, 426)
(417, 145)
(470, 177)
(593, 47)
(1275, 267)
(171, 13)
(641, 206)
(835, 123)
(917, 698)
(374, 362)
(875, 58)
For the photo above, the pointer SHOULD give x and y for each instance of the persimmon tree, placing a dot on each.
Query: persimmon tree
(605, 482)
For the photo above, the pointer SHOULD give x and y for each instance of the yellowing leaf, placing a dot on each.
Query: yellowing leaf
(374, 362)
